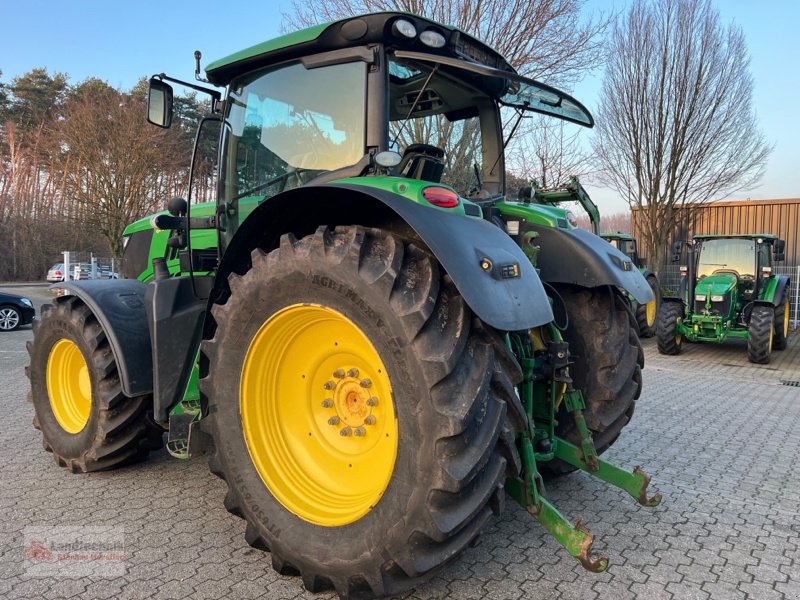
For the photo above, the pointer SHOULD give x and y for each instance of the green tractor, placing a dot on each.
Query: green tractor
(369, 357)
(573, 191)
(728, 291)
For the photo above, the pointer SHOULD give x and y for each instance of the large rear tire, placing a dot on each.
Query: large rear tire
(646, 313)
(367, 490)
(760, 334)
(85, 419)
(607, 361)
(781, 322)
(667, 337)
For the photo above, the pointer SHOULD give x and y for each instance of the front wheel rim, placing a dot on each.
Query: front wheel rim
(650, 312)
(9, 319)
(69, 386)
(786, 320)
(317, 414)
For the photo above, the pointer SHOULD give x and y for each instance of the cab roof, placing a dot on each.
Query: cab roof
(743, 236)
(354, 31)
(616, 235)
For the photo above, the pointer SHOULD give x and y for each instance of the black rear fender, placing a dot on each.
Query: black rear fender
(508, 295)
(119, 306)
(577, 257)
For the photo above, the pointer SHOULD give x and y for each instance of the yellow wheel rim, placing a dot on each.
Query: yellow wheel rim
(317, 415)
(69, 386)
(785, 320)
(650, 312)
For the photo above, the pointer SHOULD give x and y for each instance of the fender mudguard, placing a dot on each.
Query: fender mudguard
(578, 257)
(780, 287)
(119, 306)
(490, 271)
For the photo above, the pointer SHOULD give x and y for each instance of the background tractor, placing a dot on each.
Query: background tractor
(728, 290)
(367, 359)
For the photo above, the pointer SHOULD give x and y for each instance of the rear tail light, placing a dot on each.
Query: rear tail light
(440, 196)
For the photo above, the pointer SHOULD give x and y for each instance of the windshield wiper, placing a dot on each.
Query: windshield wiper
(520, 114)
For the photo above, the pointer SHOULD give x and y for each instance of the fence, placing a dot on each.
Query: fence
(670, 278)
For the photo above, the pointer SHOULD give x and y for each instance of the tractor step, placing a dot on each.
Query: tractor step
(183, 436)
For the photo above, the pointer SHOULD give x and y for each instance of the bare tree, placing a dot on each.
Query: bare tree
(676, 123)
(114, 162)
(548, 151)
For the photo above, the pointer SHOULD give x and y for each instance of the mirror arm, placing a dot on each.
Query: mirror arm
(217, 96)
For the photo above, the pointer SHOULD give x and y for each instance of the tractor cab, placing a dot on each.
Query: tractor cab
(626, 244)
(370, 100)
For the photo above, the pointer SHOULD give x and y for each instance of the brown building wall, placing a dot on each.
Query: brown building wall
(778, 217)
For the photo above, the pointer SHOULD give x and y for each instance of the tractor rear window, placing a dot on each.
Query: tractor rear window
(286, 126)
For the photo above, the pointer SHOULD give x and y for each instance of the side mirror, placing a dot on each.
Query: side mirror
(676, 251)
(779, 250)
(159, 103)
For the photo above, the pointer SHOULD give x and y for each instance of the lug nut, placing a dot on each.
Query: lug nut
(352, 373)
(329, 385)
(327, 403)
(359, 432)
(372, 401)
(345, 432)
(370, 420)
(339, 373)
(365, 383)
(333, 420)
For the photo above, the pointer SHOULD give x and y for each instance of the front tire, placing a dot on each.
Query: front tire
(646, 313)
(760, 334)
(85, 419)
(667, 337)
(608, 359)
(371, 514)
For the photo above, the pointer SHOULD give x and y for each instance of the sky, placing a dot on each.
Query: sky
(121, 42)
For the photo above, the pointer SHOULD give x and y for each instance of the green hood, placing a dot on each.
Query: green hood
(718, 284)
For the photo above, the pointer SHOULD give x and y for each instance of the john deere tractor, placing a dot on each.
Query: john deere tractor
(729, 291)
(573, 191)
(368, 356)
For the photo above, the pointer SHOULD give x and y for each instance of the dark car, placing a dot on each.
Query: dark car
(15, 311)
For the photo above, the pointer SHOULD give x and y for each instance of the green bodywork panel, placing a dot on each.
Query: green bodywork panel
(538, 214)
(411, 189)
(201, 238)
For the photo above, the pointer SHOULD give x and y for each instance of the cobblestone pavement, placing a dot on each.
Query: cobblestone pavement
(718, 435)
